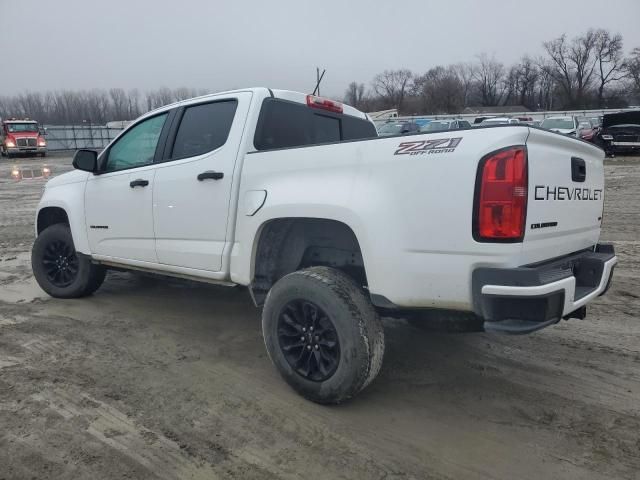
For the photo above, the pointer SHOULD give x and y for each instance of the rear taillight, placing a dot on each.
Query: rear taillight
(324, 104)
(500, 208)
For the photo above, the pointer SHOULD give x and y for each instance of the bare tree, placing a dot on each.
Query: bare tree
(490, 76)
(546, 85)
(528, 74)
(632, 66)
(574, 65)
(392, 86)
(354, 95)
(119, 102)
(440, 91)
(133, 104)
(464, 71)
(609, 60)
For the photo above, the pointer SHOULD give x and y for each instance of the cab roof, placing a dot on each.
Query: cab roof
(9, 120)
(289, 95)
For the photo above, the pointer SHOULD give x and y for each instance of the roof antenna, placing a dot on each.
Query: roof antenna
(319, 79)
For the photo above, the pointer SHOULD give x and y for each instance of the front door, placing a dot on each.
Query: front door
(119, 201)
(192, 189)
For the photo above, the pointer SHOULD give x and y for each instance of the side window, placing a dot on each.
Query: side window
(203, 128)
(282, 124)
(285, 124)
(355, 128)
(326, 129)
(137, 147)
(464, 124)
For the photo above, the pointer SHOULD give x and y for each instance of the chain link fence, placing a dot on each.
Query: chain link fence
(73, 137)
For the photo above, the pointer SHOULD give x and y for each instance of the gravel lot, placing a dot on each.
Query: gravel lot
(161, 378)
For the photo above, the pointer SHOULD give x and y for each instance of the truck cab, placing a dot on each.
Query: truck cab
(20, 137)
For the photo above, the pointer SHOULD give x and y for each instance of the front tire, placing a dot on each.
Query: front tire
(322, 334)
(58, 268)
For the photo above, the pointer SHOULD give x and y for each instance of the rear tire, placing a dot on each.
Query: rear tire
(343, 354)
(59, 269)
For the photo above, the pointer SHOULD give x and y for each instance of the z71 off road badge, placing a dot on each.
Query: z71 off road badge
(437, 145)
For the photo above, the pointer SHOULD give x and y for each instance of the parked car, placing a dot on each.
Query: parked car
(398, 128)
(443, 125)
(500, 121)
(525, 120)
(330, 228)
(586, 129)
(567, 125)
(482, 119)
(620, 133)
(19, 137)
(421, 122)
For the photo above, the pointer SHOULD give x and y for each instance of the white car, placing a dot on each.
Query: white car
(567, 125)
(500, 121)
(443, 125)
(331, 228)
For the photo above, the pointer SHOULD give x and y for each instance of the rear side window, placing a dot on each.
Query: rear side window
(285, 124)
(327, 129)
(356, 128)
(203, 128)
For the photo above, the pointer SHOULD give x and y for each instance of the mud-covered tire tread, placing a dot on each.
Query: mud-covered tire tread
(90, 276)
(96, 278)
(370, 329)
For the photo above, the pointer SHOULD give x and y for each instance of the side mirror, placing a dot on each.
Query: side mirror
(86, 160)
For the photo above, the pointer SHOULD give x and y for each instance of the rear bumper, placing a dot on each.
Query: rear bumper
(525, 299)
(621, 147)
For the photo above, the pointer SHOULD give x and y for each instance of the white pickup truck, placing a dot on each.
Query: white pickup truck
(330, 228)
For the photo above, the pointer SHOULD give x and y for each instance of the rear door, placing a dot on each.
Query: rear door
(566, 193)
(192, 186)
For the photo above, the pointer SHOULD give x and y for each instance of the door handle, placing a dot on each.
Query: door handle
(139, 182)
(210, 174)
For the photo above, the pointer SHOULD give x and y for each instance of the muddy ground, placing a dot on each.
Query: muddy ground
(157, 378)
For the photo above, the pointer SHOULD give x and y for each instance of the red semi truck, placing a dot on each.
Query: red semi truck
(21, 137)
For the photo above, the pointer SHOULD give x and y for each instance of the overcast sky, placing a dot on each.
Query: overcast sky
(84, 44)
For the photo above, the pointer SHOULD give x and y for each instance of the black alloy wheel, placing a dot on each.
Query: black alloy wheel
(308, 340)
(60, 263)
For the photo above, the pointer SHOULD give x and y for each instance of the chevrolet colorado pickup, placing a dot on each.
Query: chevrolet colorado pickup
(331, 228)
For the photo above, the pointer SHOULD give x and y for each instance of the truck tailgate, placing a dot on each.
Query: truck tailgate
(566, 195)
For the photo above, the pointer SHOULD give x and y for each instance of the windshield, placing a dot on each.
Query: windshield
(22, 127)
(390, 129)
(559, 123)
(436, 127)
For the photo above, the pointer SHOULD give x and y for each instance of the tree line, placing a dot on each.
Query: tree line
(67, 107)
(587, 71)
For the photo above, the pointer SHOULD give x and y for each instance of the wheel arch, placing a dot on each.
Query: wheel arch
(48, 216)
(284, 245)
